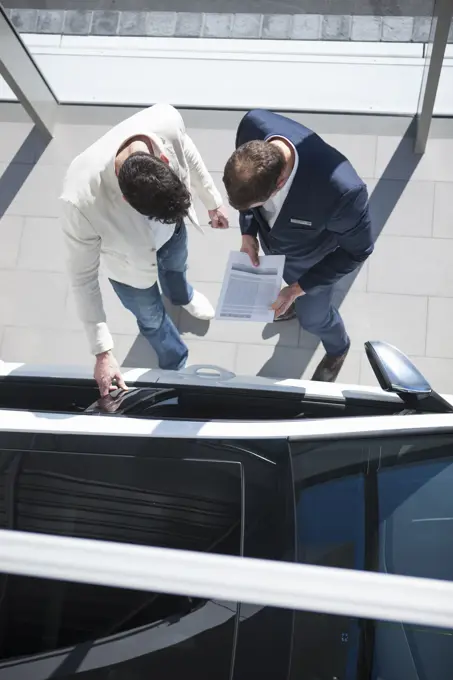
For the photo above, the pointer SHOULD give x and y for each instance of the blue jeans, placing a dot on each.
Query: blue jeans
(147, 306)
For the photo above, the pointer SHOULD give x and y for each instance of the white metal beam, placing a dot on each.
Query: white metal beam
(323, 428)
(281, 584)
(24, 78)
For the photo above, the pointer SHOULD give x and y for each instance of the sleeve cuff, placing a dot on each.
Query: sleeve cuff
(99, 337)
(306, 282)
(212, 199)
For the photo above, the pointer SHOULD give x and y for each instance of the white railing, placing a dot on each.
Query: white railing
(261, 582)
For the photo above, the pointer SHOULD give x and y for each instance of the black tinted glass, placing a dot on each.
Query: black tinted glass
(185, 504)
(382, 505)
(327, 646)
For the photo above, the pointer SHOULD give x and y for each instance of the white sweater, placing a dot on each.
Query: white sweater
(99, 223)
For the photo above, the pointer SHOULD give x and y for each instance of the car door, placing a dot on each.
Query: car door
(380, 500)
(214, 494)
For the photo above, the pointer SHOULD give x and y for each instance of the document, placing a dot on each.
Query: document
(247, 291)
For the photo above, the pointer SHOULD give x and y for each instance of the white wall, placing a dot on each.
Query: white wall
(291, 75)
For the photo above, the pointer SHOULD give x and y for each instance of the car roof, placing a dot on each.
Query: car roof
(209, 376)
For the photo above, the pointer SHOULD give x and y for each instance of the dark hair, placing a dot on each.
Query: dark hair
(152, 188)
(252, 172)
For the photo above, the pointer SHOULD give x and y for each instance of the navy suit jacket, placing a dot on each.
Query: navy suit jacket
(324, 227)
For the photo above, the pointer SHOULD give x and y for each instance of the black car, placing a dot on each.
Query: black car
(359, 478)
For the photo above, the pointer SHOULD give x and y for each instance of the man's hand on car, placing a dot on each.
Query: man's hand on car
(251, 246)
(106, 371)
(218, 218)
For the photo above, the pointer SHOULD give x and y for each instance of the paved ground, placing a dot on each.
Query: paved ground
(403, 295)
(367, 7)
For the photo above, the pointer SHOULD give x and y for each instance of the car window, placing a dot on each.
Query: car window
(328, 646)
(187, 500)
(384, 505)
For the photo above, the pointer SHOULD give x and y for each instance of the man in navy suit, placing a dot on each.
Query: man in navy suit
(302, 199)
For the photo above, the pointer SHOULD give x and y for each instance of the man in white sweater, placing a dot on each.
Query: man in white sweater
(125, 201)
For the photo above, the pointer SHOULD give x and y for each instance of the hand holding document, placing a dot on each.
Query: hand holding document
(247, 291)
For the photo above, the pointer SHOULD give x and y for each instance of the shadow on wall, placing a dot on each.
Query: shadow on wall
(21, 167)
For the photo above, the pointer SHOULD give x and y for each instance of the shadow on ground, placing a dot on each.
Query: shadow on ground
(21, 167)
(140, 355)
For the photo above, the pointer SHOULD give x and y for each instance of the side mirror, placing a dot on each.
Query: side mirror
(396, 373)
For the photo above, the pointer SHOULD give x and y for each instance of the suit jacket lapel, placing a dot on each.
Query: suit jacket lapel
(289, 207)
